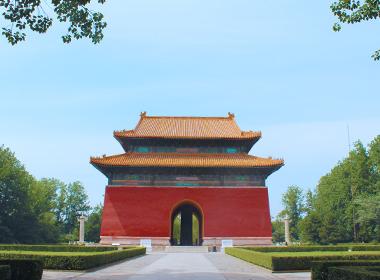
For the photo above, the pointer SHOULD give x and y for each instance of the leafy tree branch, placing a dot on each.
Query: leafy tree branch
(23, 15)
(351, 12)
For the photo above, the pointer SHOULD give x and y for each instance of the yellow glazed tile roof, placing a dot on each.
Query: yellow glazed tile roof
(187, 127)
(133, 159)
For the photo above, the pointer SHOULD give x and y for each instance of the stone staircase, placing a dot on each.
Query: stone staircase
(186, 249)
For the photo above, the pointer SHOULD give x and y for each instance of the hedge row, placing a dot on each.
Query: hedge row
(315, 248)
(5, 272)
(320, 269)
(258, 258)
(288, 263)
(55, 248)
(75, 261)
(281, 263)
(354, 273)
(23, 269)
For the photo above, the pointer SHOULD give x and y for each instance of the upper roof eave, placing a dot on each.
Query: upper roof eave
(207, 128)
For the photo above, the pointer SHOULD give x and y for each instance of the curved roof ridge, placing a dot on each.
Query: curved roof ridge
(229, 116)
(185, 117)
(187, 127)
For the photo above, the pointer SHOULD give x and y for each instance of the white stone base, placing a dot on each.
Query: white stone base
(133, 241)
(165, 241)
(186, 249)
(238, 241)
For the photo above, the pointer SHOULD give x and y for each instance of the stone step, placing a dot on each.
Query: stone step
(186, 249)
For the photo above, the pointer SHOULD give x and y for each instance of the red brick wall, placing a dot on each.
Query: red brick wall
(146, 211)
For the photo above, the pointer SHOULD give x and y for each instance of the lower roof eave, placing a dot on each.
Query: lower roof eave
(106, 169)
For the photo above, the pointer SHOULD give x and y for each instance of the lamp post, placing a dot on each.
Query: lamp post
(81, 220)
(287, 231)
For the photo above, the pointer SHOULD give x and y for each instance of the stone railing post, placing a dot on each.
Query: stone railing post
(287, 230)
(81, 220)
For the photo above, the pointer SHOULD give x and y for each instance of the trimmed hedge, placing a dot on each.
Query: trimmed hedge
(319, 269)
(354, 273)
(281, 263)
(288, 263)
(315, 248)
(25, 269)
(5, 272)
(74, 261)
(258, 258)
(55, 248)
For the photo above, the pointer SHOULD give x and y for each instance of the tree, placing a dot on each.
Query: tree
(43, 197)
(359, 181)
(293, 201)
(92, 226)
(309, 202)
(21, 15)
(374, 162)
(15, 182)
(368, 217)
(61, 202)
(345, 204)
(333, 204)
(38, 211)
(359, 170)
(278, 230)
(354, 11)
(310, 228)
(76, 203)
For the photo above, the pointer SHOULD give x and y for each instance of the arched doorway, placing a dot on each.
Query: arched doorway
(186, 225)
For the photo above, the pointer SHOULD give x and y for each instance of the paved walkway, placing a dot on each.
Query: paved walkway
(170, 266)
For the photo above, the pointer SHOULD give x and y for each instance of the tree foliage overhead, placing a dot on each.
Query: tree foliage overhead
(354, 11)
(36, 15)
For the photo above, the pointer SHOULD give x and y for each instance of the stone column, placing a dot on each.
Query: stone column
(81, 220)
(287, 231)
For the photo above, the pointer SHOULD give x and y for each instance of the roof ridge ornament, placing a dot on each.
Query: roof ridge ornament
(231, 115)
(143, 114)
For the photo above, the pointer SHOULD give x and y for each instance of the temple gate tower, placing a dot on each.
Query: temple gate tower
(186, 181)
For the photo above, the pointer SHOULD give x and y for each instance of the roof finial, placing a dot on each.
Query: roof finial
(231, 115)
(143, 114)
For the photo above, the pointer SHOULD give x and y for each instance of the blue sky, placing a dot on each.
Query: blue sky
(277, 65)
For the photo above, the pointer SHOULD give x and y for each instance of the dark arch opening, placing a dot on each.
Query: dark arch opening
(186, 225)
